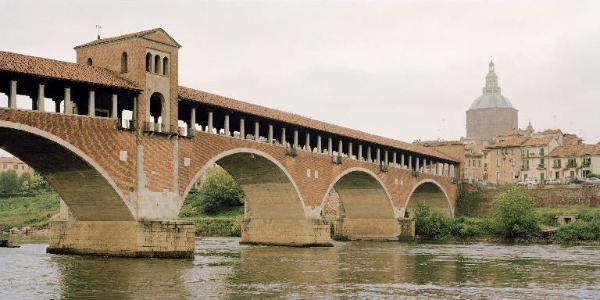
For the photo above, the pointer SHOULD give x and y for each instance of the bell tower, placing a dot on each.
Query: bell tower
(149, 59)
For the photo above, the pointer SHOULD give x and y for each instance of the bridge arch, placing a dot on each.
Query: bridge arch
(362, 194)
(433, 194)
(86, 188)
(269, 189)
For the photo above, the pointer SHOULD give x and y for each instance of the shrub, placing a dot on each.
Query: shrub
(513, 213)
(217, 192)
(579, 230)
(218, 226)
(464, 227)
(9, 182)
(589, 215)
(431, 224)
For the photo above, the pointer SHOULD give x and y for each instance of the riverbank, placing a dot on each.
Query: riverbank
(28, 213)
(582, 229)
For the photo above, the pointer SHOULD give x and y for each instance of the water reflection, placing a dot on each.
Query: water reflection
(224, 269)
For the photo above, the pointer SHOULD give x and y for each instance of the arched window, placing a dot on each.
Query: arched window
(148, 62)
(89, 61)
(165, 66)
(157, 110)
(157, 68)
(124, 62)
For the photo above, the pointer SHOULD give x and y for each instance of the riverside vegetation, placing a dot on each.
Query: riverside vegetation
(513, 217)
(217, 208)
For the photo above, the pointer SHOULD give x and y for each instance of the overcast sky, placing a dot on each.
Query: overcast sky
(401, 69)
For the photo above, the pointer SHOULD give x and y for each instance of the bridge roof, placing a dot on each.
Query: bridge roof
(261, 111)
(50, 68)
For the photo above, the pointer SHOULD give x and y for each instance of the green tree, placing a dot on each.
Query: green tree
(513, 213)
(431, 224)
(24, 181)
(9, 182)
(218, 191)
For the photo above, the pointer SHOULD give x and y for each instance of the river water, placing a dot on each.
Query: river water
(224, 269)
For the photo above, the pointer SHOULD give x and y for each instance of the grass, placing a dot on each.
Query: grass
(33, 211)
(223, 223)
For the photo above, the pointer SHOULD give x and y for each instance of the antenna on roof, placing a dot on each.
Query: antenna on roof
(98, 27)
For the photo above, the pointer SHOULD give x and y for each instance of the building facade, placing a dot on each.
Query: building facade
(574, 161)
(14, 164)
(491, 113)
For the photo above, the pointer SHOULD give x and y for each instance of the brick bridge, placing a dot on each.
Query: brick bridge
(123, 144)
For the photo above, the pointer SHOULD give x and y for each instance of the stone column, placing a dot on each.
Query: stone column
(210, 125)
(226, 125)
(340, 148)
(92, 104)
(369, 154)
(283, 141)
(270, 136)
(402, 161)
(256, 130)
(319, 148)
(424, 165)
(417, 166)
(68, 103)
(330, 146)
(193, 118)
(437, 168)
(350, 150)
(395, 162)
(12, 96)
(307, 142)
(410, 162)
(114, 110)
(242, 128)
(385, 158)
(296, 138)
(360, 152)
(378, 156)
(40, 98)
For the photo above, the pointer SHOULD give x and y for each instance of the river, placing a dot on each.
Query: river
(224, 269)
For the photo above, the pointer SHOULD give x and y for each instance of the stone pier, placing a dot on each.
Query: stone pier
(160, 239)
(286, 232)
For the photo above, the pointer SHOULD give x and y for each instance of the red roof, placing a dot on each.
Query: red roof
(44, 67)
(575, 150)
(274, 114)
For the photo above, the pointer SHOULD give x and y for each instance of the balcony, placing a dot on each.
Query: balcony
(586, 164)
(541, 167)
(571, 165)
(524, 168)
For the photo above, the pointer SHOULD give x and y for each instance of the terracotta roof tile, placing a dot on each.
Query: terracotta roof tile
(278, 115)
(127, 36)
(538, 141)
(509, 141)
(44, 67)
(575, 150)
(10, 159)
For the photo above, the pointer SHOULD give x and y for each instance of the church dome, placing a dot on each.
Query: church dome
(491, 101)
(492, 96)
